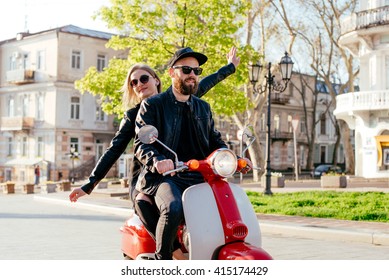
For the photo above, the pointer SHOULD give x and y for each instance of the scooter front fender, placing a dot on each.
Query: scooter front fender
(242, 251)
(135, 238)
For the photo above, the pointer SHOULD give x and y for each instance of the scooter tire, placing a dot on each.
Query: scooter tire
(127, 258)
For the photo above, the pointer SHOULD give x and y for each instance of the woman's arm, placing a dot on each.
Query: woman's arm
(118, 145)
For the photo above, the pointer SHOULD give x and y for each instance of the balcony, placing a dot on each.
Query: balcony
(349, 104)
(20, 76)
(278, 135)
(16, 123)
(362, 101)
(279, 99)
(365, 19)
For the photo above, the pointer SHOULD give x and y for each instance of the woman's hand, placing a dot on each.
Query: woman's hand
(76, 194)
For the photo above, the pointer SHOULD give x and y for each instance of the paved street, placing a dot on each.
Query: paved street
(33, 229)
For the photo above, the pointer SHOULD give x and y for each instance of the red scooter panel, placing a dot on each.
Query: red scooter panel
(135, 238)
(242, 251)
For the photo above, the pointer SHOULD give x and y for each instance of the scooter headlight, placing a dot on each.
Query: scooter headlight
(224, 162)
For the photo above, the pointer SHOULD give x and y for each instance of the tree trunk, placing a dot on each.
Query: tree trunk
(335, 159)
(255, 152)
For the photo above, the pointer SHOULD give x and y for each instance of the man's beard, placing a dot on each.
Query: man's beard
(186, 89)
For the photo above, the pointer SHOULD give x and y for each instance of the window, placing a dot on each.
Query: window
(26, 61)
(372, 74)
(100, 115)
(290, 126)
(11, 107)
(323, 124)
(39, 107)
(12, 63)
(41, 60)
(9, 146)
(76, 59)
(277, 153)
(290, 152)
(387, 71)
(101, 62)
(323, 154)
(74, 144)
(99, 149)
(24, 146)
(40, 147)
(8, 174)
(302, 156)
(277, 123)
(25, 103)
(302, 125)
(75, 108)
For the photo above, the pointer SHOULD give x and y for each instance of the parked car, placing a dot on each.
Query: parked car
(325, 168)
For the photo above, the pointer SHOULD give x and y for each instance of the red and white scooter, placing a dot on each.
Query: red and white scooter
(220, 222)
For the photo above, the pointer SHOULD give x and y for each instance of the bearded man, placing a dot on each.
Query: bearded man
(184, 124)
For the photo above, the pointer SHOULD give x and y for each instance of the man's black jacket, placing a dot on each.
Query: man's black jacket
(164, 112)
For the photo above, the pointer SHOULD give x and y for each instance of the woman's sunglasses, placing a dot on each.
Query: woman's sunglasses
(187, 69)
(144, 79)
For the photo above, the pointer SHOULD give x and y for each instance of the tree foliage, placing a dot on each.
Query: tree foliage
(152, 31)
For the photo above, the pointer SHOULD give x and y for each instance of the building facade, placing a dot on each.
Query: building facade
(307, 100)
(44, 120)
(366, 35)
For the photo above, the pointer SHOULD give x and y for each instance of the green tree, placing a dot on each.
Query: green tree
(151, 32)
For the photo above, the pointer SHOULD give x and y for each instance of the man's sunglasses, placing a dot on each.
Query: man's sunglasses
(187, 69)
(144, 79)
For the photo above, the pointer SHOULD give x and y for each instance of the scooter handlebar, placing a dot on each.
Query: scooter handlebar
(179, 169)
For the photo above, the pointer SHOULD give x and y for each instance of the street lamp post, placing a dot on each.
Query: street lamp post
(286, 65)
(73, 155)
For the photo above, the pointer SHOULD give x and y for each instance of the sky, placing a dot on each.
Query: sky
(39, 15)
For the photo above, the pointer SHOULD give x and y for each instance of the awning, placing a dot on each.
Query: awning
(24, 161)
(382, 144)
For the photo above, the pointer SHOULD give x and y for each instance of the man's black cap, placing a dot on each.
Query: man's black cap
(188, 52)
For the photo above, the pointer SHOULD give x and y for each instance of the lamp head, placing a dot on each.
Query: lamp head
(254, 71)
(286, 65)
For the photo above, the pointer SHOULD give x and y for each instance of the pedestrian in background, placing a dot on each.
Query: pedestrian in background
(37, 173)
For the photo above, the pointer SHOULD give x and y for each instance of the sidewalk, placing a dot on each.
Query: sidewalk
(111, 201)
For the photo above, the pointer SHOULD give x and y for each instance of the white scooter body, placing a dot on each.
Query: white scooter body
(205, 230)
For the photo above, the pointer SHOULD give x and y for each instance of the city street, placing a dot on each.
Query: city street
(36, 230)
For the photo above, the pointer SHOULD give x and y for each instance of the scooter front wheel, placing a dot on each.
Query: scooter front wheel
(127, 258)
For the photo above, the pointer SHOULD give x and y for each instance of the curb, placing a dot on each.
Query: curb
(270, 228)
(306, 231)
